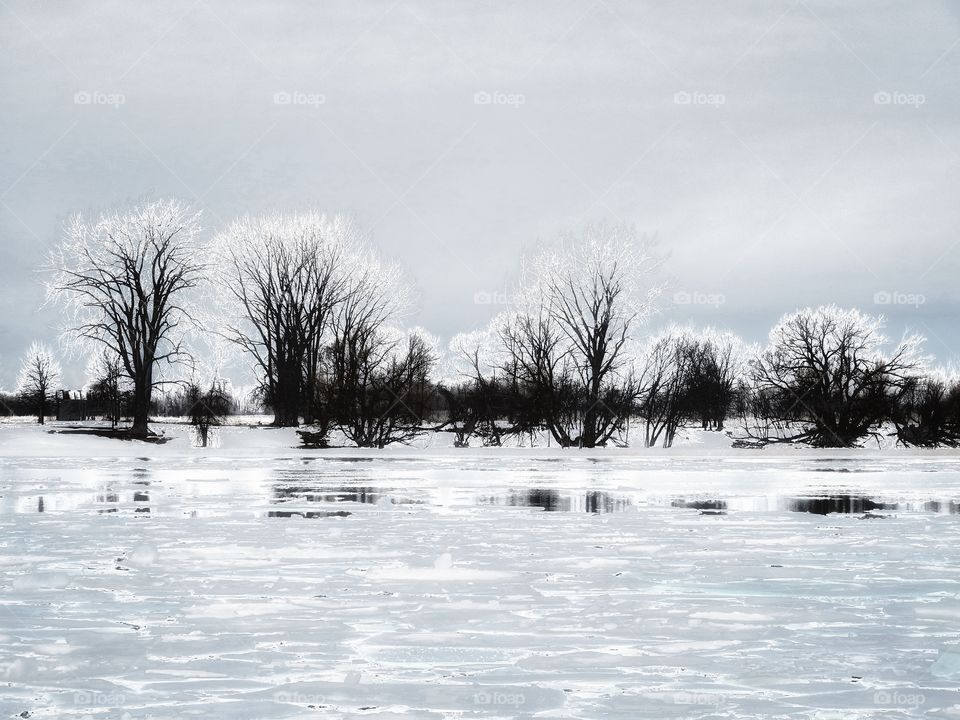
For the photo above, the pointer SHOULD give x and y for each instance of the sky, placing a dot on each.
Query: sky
(782, 153)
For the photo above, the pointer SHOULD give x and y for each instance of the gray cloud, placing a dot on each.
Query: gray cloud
(802, 186)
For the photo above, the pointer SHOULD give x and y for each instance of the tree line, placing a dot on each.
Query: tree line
(319, 315)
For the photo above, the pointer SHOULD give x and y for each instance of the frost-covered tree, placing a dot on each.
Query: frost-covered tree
(663, 392)
(825, 378)
(717, 363)
(478, 400)
(540, 377)
(107, 384)
(385, 396)
(927, 410)
(687, 375)
(582, 300)
(38, 378)
(373, 376)
(125, 279)
(282, 275)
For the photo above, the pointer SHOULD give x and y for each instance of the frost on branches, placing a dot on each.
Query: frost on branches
(125, 280)
(825, 378)
(38, 378)
(562, 364)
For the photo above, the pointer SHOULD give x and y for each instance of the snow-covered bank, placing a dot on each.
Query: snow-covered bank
(27, 439)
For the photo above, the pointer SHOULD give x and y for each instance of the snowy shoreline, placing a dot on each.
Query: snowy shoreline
(26, 439)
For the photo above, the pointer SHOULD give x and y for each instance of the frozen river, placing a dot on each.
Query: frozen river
(441, 587)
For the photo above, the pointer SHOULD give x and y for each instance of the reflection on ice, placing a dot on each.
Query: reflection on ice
(817, 504)
(495, 587)
(947, 507)
(317, 485)
(309, 514)
(550, 500)
(856, 504)
(320, 494)
(701, 504)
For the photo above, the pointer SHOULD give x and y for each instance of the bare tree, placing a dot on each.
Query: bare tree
(372, 376)
(126, 279)
(478, 400)
(107, 384)
(539, 375)
(206, 408)
(38, 378)
(717, 363)
(824, 378)
(384, 395)
(586, 298)
(284, 275)
(927, 411)
(663, 398)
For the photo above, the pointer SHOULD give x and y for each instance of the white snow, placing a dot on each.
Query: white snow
(258, 580)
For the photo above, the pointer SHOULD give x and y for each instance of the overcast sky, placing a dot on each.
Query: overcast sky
(783, 153)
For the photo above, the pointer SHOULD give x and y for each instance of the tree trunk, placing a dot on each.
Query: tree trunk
(142, 393)
(287, 395)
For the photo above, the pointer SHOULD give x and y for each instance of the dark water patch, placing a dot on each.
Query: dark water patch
(836, 470)
(946, 507)
(817, 503)
(308, 514)
(844, 504)
(549, 500)
(712, 504)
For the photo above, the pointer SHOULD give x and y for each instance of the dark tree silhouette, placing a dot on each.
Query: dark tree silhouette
(282, 273)
(39, 375)
(825, 380)
(126, 280)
